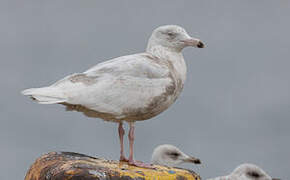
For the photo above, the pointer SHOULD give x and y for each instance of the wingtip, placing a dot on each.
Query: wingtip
(23, 92)
(26, 92)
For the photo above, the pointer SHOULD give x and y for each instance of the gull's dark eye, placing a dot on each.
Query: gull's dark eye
(173, 155)
(171, 34)
(254, 174)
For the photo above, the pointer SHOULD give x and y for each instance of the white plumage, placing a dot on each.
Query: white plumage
(112, 87)
(128, 88)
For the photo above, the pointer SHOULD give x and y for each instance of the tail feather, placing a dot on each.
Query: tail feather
(46, 95)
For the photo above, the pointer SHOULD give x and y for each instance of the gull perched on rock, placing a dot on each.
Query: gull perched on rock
(128, 88)
(246, 172)
(169, 155)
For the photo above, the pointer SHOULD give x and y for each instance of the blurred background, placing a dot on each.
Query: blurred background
(235, 106)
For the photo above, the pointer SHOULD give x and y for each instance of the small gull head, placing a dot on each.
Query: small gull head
(248, 172)
(169, 155)
(173, 37)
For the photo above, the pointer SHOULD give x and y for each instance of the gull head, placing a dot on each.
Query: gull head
(250, 172)
(169, 155)
(173, 37)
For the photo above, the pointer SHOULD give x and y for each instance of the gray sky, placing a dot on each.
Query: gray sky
(235, 106)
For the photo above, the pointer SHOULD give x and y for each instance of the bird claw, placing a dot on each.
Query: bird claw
(124, 159)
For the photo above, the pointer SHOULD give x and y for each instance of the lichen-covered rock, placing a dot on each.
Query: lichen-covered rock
(74, 166)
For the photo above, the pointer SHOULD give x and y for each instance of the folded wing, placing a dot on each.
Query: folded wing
(112, 87)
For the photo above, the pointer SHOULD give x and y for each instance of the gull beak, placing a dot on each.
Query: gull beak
(192, 160)
(193, 42)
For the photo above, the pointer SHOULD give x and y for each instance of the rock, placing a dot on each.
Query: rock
(74, 166)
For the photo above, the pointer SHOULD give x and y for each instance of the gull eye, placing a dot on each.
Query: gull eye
(254, 174)
(173, 155)
(171, 34)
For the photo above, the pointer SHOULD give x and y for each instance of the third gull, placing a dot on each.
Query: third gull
(128, 88)
(246, 172)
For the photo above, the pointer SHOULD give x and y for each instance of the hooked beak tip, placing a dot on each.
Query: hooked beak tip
(193, 160)
(193, 42)
(200, 45)
(197, 161)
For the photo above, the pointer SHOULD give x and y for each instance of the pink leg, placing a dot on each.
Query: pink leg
(131, 142)
(121, 137)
